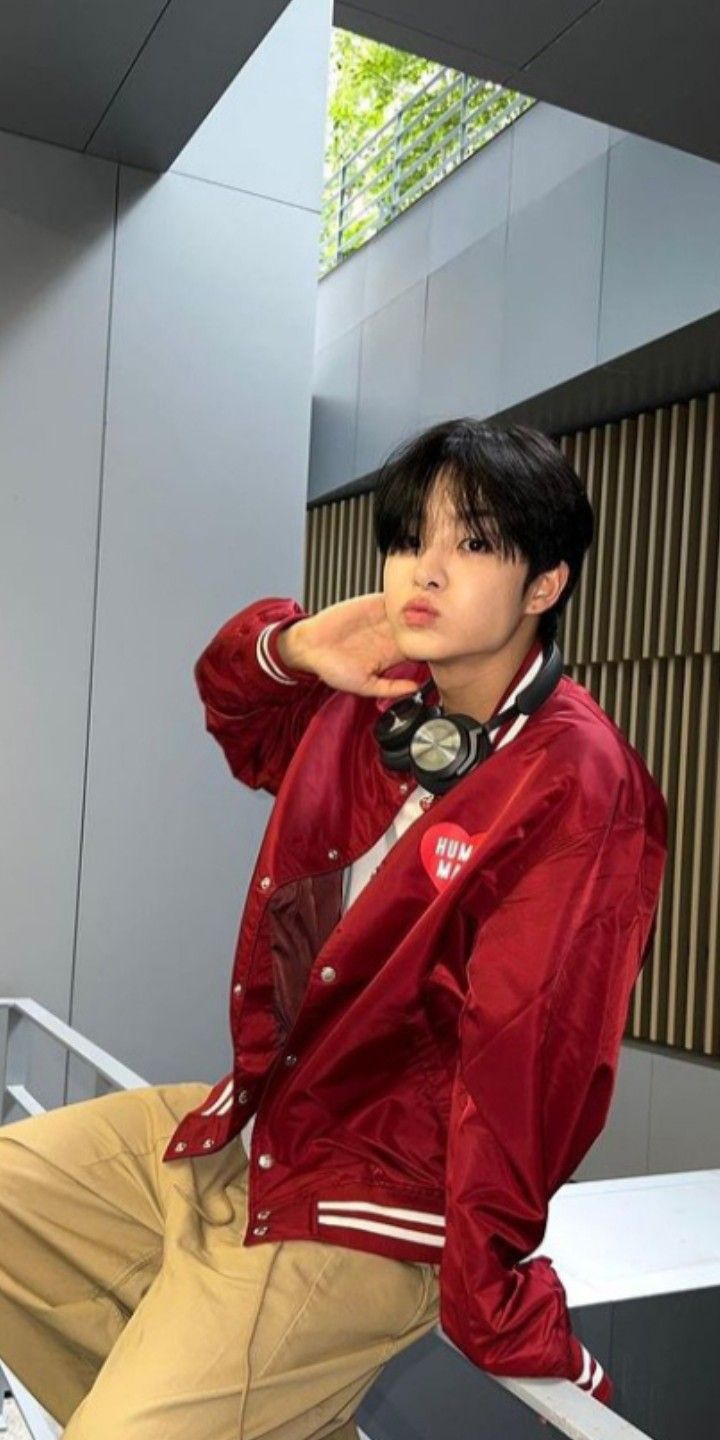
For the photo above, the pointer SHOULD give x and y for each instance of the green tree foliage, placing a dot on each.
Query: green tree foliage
(396, 106)
(368, 83)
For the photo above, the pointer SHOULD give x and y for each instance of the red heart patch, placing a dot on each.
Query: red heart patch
(445, 848)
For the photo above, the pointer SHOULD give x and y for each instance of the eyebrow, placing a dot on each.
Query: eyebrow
(480, 514)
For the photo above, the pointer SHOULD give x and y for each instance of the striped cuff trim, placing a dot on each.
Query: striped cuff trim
(265, 659)
(592, 1374)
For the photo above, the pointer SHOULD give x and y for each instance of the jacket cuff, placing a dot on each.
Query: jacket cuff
(268, 655)
(590, 1375)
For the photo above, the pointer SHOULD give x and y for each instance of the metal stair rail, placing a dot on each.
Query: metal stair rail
(445, 121)
(21, 1020)
(570, 1410)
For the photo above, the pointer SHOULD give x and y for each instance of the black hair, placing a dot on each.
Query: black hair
(512, 486)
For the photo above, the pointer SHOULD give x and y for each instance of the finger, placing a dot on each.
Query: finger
(395, 688)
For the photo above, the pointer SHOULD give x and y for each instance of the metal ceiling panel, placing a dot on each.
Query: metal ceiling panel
(193, 54)
(133, 81)
(61, 64)
(648, 67)
(129, 82)
(512, 34)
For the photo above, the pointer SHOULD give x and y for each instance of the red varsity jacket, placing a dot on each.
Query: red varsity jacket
(427, 1068)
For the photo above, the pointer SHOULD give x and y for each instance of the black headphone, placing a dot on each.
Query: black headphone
(441, 749)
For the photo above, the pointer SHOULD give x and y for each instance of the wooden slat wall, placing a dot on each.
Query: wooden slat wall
(642, 634)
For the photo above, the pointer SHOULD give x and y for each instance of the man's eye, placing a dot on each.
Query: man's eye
(411, 542)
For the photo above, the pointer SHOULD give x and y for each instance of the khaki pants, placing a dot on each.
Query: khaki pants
(130, 1308)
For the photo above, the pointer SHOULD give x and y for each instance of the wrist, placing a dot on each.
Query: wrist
(288, 644)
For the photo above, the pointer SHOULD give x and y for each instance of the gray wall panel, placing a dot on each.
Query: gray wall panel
(155, 410)
(552, 285)
(685, 1115)
(251, 141)
(431, 1391)
(343, 300)
(664, 1363)
(207, 446)
(463, 332)
(334, 412)
(549, 146)
(56, 219)
(664, 1116)
(398, 257)
(392, 348)
(622, 1147)
(462, 213)
(662, 249)
(659, 1350)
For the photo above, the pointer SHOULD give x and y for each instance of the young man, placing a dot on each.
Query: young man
(430, 989)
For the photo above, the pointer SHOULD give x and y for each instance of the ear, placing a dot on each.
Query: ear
(547, 588)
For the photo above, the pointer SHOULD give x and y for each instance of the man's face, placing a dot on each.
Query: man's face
(477, 592)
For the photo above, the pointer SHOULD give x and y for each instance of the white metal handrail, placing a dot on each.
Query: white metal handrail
(19, 1021)
(385, 188)
(570, 1410)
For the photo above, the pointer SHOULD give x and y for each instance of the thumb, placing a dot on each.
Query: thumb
(396, 688)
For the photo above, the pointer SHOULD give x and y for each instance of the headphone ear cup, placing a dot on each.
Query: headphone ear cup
(395, 728)
(441, 753)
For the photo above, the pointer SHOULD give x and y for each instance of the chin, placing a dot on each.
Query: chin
(417, 653)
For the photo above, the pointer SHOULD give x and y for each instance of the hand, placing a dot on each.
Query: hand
(349, 645)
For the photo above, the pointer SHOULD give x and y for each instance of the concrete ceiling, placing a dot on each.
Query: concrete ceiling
(649, 66)
(127, 80)
(131, 80)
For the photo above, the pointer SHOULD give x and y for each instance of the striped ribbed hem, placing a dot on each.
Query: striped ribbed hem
(358, 1215)
(222, 1102)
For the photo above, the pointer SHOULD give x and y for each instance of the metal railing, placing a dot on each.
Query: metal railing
(451, 117)
(570, 1410)
(20, 1022)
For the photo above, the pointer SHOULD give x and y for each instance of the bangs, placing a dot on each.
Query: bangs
(403, 511)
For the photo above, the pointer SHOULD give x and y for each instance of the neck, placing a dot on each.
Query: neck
(474, 684)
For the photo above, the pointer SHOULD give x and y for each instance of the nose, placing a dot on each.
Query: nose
(429, 568)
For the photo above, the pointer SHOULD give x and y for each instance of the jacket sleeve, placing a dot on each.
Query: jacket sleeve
(257, 707)
(550, 976)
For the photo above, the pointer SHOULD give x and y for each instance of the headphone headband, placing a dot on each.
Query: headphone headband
(441, 749)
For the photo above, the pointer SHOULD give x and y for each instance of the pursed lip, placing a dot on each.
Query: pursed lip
(420, 608)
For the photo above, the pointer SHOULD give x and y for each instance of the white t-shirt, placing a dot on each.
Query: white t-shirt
(356, 876)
